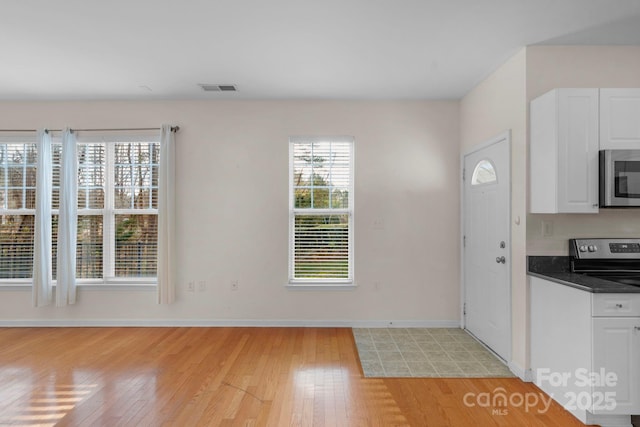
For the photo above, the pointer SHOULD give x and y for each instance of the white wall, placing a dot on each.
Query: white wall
(495, 105)
(232, 160)
(550, 67)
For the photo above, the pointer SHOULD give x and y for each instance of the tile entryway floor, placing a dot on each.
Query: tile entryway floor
(425, 352)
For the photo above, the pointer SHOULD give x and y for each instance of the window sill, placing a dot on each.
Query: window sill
(118, 287)
(88, 286)
(321, 286)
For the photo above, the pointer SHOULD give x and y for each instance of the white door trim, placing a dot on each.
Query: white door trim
(506, 135)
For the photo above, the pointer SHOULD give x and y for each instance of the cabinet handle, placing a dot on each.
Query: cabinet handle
(637, 328)
(595, 205)
(618, 305)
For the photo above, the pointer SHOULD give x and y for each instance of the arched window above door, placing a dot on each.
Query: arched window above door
(484, 173)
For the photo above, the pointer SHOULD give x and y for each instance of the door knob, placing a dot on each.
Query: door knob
(501, 260)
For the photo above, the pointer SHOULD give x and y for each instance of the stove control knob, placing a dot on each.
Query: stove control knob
(592, 248)
(583, 248)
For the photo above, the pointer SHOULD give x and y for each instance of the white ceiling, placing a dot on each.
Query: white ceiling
(284, 49)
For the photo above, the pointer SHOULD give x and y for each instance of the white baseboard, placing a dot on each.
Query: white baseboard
(231, 323)
(525, 375)
(405, 324)
(608, 420)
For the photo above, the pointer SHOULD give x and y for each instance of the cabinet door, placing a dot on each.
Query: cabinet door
(543, 154)
(578, 150)
(563, 153)
(561, 339)
(616, 349)
(619, 119)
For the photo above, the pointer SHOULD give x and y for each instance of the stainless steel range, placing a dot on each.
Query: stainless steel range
(615, 260)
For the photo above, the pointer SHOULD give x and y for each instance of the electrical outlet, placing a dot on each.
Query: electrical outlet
(191, 286)
(234, 285)
(377, 223)
(202, 286)
(547, 228)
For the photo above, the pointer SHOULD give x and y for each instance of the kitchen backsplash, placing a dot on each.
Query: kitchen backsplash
(548, 234)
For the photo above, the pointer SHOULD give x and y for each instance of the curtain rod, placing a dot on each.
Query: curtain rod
(173, 129)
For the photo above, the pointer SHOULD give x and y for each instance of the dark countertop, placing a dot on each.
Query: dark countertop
(558, 269)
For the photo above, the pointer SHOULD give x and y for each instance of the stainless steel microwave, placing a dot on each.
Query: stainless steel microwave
(619, 178)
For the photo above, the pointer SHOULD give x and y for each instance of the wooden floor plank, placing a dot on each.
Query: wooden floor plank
(229, 376)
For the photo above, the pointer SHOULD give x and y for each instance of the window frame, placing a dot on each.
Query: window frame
(109, 211)
(475, 182)
(24, 140)
(319, 283)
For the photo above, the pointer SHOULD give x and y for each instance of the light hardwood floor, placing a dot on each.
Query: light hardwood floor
(233, 376)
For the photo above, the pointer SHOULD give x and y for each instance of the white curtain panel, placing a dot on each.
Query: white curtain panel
(166, 217)
(42, 275)
(67, 221)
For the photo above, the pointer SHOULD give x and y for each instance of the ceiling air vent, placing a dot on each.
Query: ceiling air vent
(218, 88)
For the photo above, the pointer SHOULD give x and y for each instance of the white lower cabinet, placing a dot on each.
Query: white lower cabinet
(616, 351)
(585, 351)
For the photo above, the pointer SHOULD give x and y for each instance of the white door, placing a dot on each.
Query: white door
(487, 246)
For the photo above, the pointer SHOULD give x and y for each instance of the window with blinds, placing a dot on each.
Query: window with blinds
(17, 208)
(136, 208)
(321, 210)
(117, 207)
(92, 210)
(92, 163)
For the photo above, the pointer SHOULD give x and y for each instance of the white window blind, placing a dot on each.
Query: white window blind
(117, 223)
(92, 164)
(91, 196)
(321, 210)
(17, 207)
(117, 207)
(136, 208)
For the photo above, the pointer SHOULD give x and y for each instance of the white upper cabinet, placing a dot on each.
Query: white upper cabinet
(619, 119)
(564, 152)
